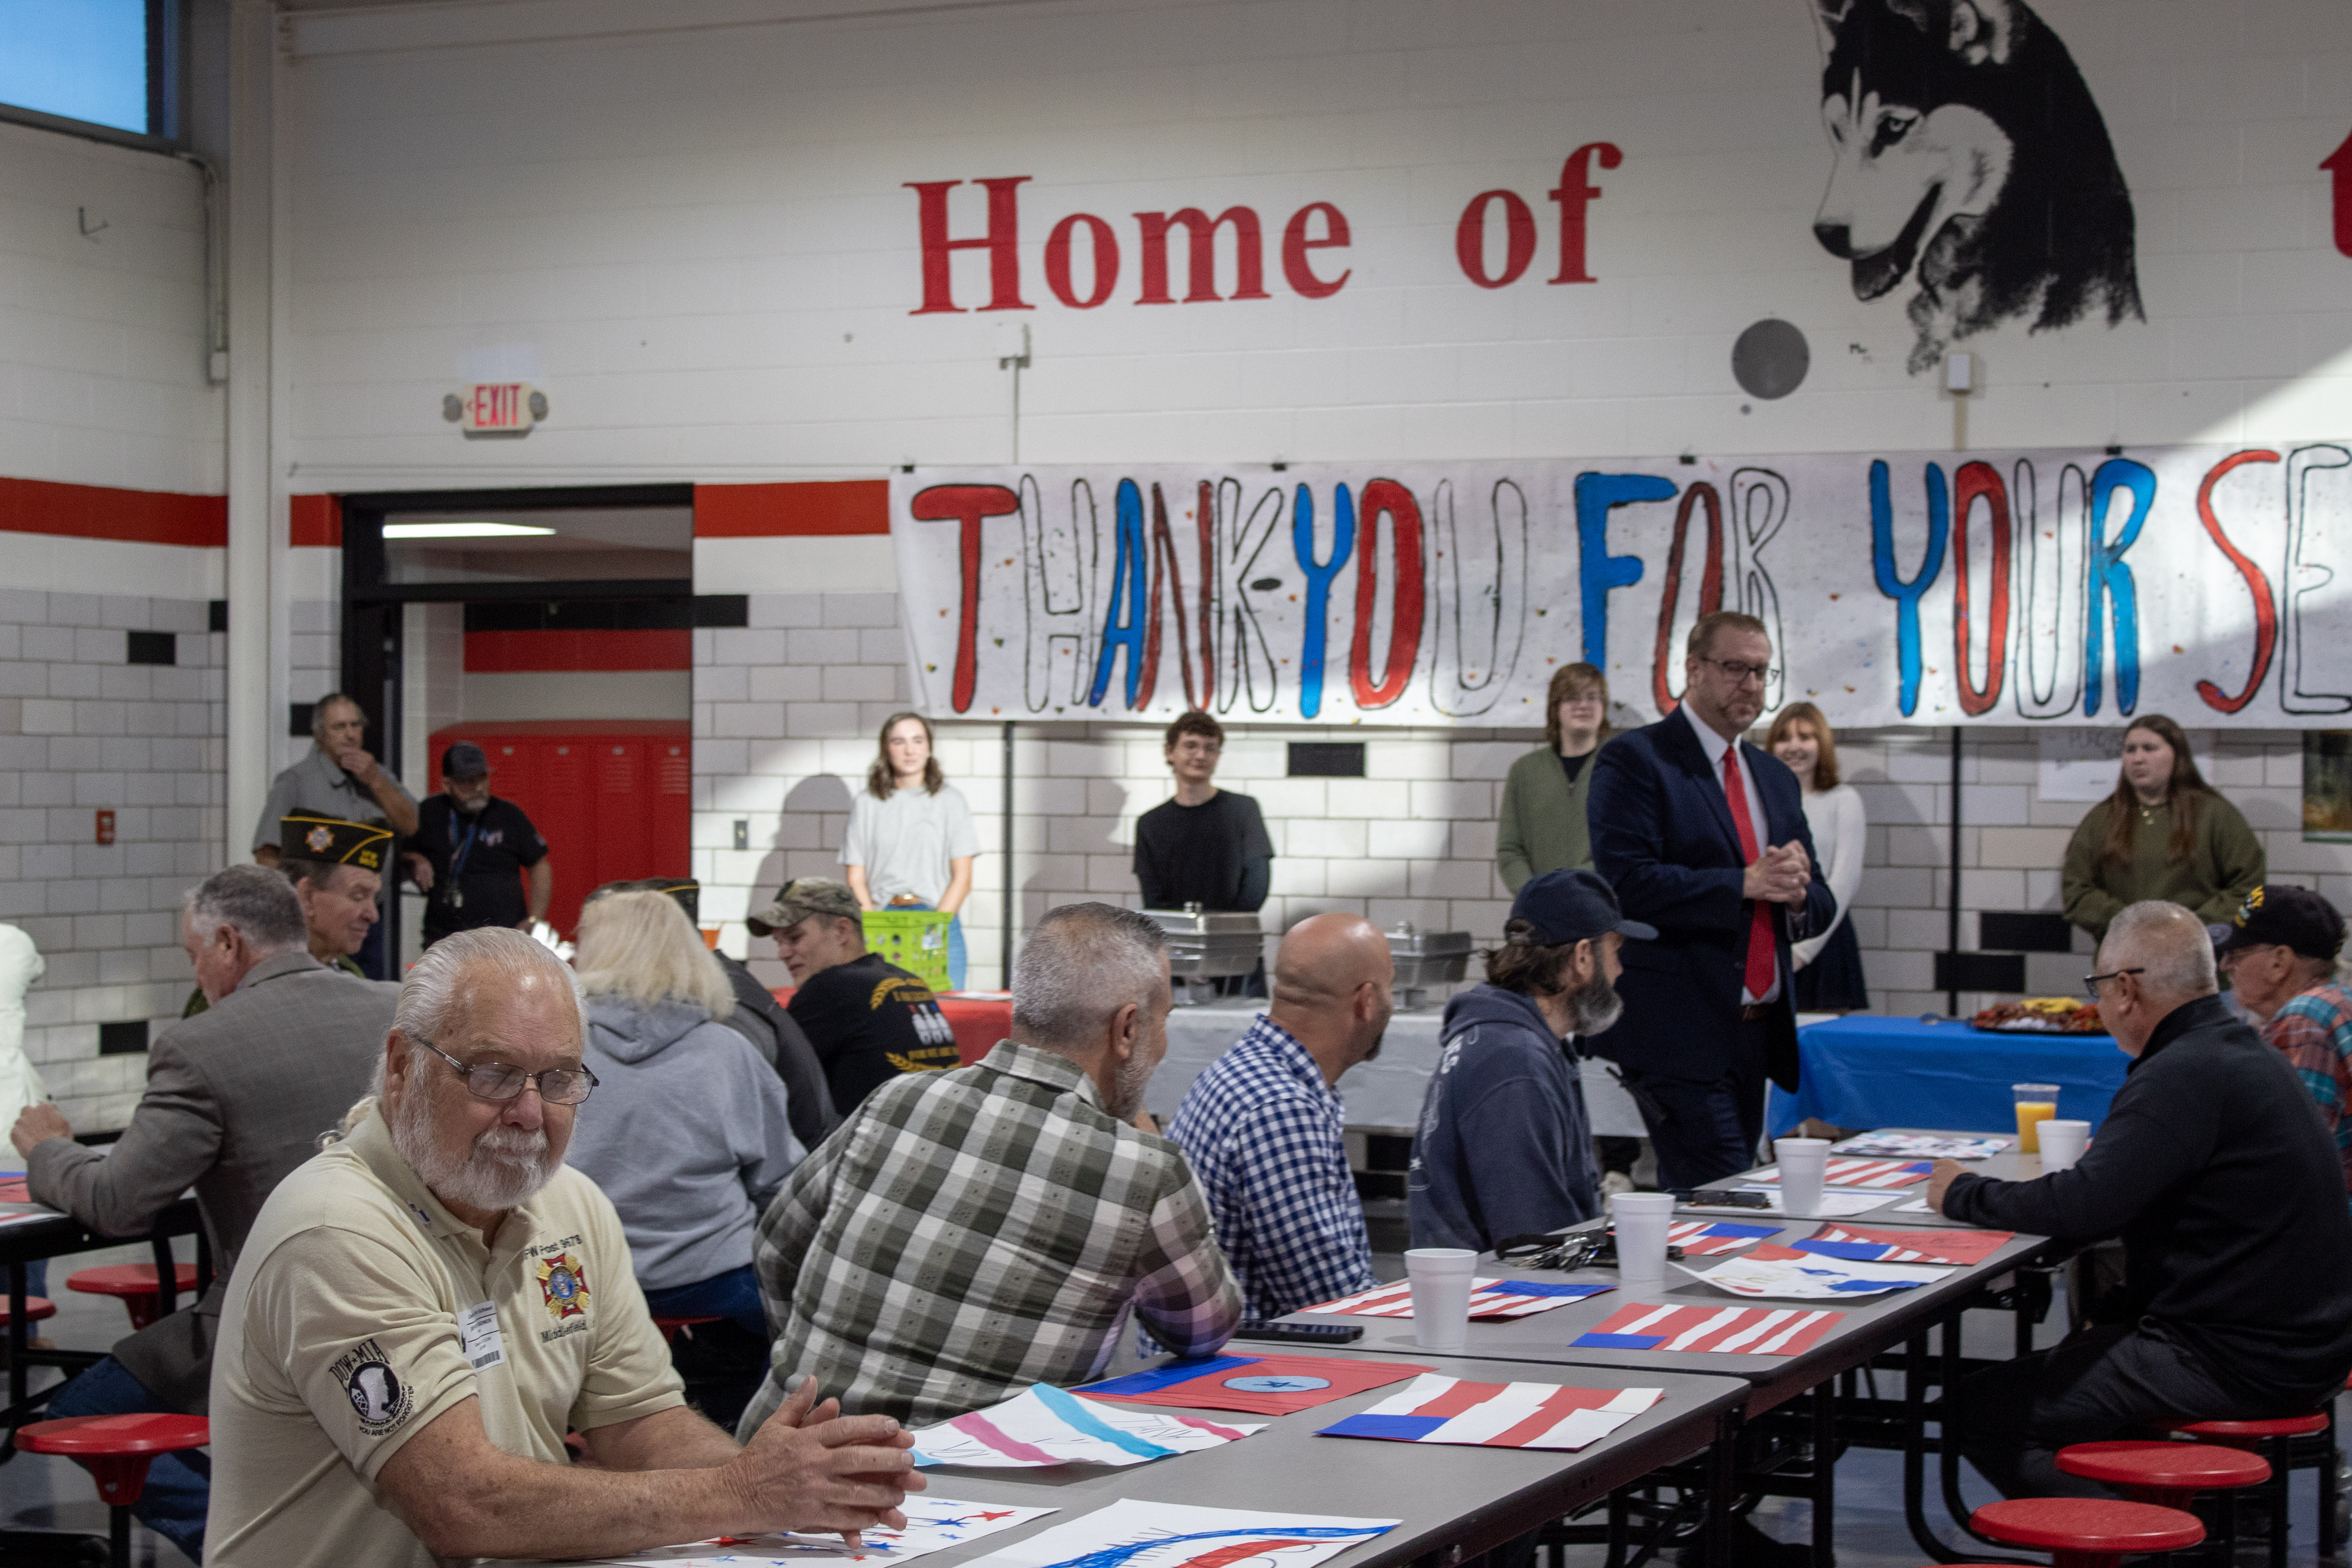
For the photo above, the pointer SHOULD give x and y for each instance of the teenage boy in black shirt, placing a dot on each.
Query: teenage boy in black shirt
(1207, 846)
(869, 1020)
(471, 851)
(2213, 1167)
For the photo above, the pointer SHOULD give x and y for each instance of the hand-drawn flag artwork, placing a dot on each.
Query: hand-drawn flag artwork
(933, 1525)
(1043, 1425)
(1260, 1384)
(1862, 1244)
(1133, 1534)
(1488, 1299)
(1725, 1331)
(1783, 1273)
(1921, 1147)
(1496, 1415)
(1879, 1173)
(1700, 1239)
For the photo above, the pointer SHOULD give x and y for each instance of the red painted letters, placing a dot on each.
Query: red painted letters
(1296, 270)
(1670, 593)
(1387, 496)
(1001, 242)
(1201, 278)
(1572, 195)
(1105, 258)
(2265, 607)
(966, 504)
(1519, 238)
(1973, 481)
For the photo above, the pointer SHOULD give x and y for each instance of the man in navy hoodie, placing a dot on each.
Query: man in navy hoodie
(1505, 1147)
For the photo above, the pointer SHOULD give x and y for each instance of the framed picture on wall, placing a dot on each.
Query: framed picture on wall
(2327, 786)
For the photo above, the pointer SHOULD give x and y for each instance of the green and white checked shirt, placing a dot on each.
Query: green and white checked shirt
(969, 1233)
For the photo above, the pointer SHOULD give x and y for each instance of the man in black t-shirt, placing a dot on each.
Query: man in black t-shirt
(471, 851)
(869, 1020)
(1207, 846)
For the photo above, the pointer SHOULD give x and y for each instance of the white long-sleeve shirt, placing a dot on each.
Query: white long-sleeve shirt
(1839, 830)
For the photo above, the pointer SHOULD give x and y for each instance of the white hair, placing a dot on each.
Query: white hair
(430, 995)
(640, 946)
(1082, 964)
(2166, 941)
(253, 901)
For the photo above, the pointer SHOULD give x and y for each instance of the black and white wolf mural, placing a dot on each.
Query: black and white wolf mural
(1971, 164)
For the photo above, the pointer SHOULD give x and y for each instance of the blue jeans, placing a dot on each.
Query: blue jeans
(178, 1485)
(734, 1295)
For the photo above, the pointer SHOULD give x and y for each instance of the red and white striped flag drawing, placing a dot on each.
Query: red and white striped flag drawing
(1862, 1173)
(1433, 1409)
(1864, 1244)
(1703, 1238)
(1730, 1331)
(1488, 1299)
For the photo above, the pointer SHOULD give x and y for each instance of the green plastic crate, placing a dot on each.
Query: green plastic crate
(914, 939)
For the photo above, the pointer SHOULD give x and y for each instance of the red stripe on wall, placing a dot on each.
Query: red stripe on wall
(315, 521)
(96, 512)
(505, 652)
(760, 511)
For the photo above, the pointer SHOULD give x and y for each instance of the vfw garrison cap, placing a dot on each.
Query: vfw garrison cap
(306, 835)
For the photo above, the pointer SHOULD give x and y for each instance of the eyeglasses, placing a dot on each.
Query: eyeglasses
(2090, 982)
(1741, 671)
(497, 1080)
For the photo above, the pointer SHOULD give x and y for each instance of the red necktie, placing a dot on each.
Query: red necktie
(1761, 964)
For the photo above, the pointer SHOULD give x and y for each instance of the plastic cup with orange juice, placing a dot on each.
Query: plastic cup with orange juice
(2036, 1103)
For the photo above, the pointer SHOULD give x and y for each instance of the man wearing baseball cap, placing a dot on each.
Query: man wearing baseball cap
(2279, 951)
(472, 850)
(869, 1020)
(1505, 1147)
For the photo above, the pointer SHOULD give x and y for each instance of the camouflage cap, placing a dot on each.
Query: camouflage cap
(798, 899)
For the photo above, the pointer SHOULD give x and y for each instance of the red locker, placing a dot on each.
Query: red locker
(613, 800)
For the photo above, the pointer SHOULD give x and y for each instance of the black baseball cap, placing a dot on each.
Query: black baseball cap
(2281, 914)
(465, 760)
(1566, 906)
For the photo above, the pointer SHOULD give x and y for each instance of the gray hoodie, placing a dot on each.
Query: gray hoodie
(687, 1133)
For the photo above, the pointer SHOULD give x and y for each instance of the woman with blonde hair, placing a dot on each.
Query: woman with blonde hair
(691, 1134)
(910, 843)
(2164, 833)
(1542, 825)
(1828, 967)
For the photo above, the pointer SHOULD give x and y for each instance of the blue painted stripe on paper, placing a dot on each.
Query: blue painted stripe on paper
(1540, 1288)
(1395, 1429)
(1074, 1410)
(1858, 1252)
(1171, 1375)
(1729, 1229)
(1619, 1340)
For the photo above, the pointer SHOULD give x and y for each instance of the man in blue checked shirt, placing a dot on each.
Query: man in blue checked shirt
(1262, 1127)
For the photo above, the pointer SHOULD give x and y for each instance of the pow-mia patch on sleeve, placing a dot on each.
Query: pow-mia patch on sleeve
(375, 1391)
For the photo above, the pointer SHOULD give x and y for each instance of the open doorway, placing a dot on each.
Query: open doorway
(554, 629)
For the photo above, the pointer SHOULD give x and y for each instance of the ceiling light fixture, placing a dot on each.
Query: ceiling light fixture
(462, 530)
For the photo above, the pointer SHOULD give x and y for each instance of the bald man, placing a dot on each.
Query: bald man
(2213, 1167)
(1262, 1127)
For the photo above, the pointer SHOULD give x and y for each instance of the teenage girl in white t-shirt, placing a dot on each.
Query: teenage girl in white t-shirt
(911, 842)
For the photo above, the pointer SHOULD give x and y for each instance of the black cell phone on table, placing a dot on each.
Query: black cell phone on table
(1300, 1334)
(1720, 1198)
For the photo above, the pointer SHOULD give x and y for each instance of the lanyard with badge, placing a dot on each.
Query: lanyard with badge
(458, 863)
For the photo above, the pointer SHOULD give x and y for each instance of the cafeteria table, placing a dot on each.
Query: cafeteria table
(1868, 1071)
(1870, 1326)
(1454, 1501)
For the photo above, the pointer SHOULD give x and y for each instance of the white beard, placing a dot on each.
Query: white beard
(505, 1166)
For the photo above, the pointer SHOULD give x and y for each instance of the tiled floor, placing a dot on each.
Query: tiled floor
(39, 1492)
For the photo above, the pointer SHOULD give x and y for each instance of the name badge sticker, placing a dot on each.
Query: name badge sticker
(477, 1335)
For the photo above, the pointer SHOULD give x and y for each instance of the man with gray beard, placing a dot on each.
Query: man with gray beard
(424, 1309)
(1505, 1147)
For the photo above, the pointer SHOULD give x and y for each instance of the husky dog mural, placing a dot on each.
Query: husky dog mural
(1971, 164)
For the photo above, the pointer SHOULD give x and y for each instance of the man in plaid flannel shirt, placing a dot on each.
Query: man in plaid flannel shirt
(966, 1234)
(1263, 1126)
(2280, 952)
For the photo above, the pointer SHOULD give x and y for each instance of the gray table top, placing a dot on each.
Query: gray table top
(1445, 1494)
(2006, 1166)
(1870, 1325)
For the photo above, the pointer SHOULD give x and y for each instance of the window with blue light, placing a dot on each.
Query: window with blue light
(80, 60)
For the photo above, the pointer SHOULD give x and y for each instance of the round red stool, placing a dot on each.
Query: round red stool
(2169, 1474)
(116, 1450)
(2086, 1533)
(36, 1309)
(669, 1326)
(2252, 1436)
(135, 1284)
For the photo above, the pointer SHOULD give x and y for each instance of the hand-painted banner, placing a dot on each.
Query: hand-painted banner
(1899, 588)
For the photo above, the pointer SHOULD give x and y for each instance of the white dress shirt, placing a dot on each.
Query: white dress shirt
(1717, 747)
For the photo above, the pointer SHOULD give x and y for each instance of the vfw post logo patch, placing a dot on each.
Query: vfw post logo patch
(563, 1287)
(319, 839)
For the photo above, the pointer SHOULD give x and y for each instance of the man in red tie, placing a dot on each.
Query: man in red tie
(1703, 837)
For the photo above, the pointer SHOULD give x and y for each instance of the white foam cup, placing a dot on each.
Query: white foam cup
(1642, 1219)
(2062, 1144)
(1804, 1163)
(1441, 1295)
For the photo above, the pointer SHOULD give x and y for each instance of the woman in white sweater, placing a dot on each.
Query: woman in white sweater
(1829, 965)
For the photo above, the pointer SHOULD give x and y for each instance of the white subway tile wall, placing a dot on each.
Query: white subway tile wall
(83, 730)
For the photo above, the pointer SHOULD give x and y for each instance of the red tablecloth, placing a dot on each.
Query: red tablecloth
(980, 1019)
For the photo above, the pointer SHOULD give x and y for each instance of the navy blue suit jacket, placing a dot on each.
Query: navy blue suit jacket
(1662, 835)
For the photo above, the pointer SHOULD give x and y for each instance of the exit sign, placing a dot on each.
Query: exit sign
(499, 408)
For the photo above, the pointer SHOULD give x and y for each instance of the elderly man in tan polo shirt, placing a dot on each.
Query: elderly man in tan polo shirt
(423, 1309)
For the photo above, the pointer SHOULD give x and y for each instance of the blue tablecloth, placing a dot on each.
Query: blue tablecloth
(1862, 1071)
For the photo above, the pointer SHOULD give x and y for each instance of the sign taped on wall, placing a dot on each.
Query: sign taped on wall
(2022, 587)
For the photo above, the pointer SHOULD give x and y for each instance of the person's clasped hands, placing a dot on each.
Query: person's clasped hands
(1780, 875)
(810, 1467)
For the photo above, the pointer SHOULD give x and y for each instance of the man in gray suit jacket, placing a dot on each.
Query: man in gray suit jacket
(236, 1097)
